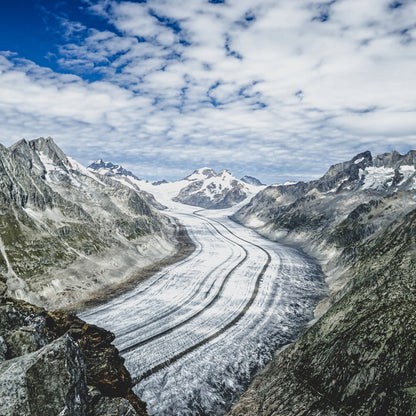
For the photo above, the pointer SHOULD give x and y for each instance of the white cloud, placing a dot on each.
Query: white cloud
(274, 88)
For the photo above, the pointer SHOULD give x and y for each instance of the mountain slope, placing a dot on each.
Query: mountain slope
(359, 219)
(66, 233)
(352, 201)
(359, 358)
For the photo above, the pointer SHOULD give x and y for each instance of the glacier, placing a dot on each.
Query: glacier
(195, 334)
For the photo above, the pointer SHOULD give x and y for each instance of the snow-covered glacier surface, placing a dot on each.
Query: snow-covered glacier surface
(195, 334)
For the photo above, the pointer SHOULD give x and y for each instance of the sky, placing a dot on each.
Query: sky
(279, 90)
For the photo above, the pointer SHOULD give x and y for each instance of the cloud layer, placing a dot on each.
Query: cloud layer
(274, 89)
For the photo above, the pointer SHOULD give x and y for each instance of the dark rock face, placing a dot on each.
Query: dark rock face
(111, 169)
(55, 363)
(359, 357)
(157, 183)
(48, 382)
(251, 180)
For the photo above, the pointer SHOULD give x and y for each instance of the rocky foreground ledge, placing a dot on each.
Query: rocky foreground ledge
(53, 363)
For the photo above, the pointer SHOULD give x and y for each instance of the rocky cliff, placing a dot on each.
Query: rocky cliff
(358, 358)
(66, 234)
(53, 363)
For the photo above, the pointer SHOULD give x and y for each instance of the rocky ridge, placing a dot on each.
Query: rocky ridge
(67, 233)
(110, 169)
(329, 217)
(359, 219)
(251, 180)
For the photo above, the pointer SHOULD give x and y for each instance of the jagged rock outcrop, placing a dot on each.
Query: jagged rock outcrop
(110, 169)
(358, 357)
(53, 363)
(66, 233)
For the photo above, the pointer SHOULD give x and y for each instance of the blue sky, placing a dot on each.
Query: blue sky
(274, 89)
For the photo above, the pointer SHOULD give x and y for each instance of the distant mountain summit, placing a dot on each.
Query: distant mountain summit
(207, 189)
(202, 173)
(108, 169)
(251, 181)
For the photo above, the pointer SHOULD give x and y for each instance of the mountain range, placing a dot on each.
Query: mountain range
(203, 188)
(68, 233)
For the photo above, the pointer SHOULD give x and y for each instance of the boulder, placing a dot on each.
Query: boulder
(115, 406)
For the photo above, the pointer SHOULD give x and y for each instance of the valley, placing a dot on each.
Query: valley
(215, 294)
(194, 334)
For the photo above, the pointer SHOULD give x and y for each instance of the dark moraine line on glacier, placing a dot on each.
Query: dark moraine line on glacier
(135, 327)
(227, 326)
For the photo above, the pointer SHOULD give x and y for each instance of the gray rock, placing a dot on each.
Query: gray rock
(110, 406)
(66, 352)
(23, 330)
(24, 340)
(111, 169)
(3, 289)
(48, 382)
(251, 180)
(3, 349)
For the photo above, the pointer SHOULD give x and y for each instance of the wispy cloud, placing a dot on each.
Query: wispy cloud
(276, 89)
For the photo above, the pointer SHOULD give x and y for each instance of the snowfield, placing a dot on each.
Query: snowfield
(195, 334)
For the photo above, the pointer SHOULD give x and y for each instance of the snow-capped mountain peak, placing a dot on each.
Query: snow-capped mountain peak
(201, 174)
(207, 189)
